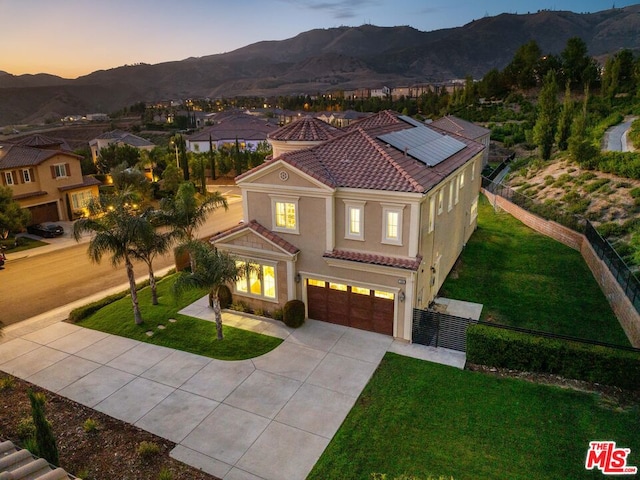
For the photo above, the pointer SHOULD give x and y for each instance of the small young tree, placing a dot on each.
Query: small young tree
(564, 122)
(545, 126)
(45, 440)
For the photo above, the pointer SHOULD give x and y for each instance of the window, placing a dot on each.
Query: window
(387, 295)
(450, 205)
(473, 170)
(8, 177)
(59, 170)
(440, 201)
(354, 220)
(285, 214)
(256, 279)
(26, 176)
(360, 291)
(462, 180)
(456, 191)
(80, 200)
(392, 224)
(316, 283)
(432, 214)
(474, 210)
(338, 286)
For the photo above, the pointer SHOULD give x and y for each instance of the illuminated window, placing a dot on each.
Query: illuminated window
(354, 220)
(381, 294)
(337, 286)
(392, 224)
(440, 201)
(360, 291)
(256, 280)
(462, 180)
(316, 283)
(456, 191)
(473, 170)
(450, 206)
(80, 200)
(285, 214)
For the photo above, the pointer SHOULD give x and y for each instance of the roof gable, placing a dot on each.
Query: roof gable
(254, 229)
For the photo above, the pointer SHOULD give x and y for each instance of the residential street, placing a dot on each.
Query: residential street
(616, 137)
(34, 284)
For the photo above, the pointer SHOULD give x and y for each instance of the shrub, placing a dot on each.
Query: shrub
(278, 314)
(596, 185)
(146, 450)
(293, 313)
(90, 425)
(7, 383)
(165, 474)
(503, 348)
(45, 440)
(25, 429)
(225, 297)
(89, 309)
(239, 307)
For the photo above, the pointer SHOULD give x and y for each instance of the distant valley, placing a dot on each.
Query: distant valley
(320, 61)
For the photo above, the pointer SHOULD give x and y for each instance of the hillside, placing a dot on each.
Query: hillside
(321, 60)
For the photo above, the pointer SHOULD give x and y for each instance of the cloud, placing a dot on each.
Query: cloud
(339, 9)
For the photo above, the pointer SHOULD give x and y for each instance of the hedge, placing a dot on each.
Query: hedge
(497, 347)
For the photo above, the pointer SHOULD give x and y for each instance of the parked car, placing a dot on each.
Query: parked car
(47, 230)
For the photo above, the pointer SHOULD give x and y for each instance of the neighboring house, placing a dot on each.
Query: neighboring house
(119, 137)
(304, 133)
(363, 227)
(46, 178)
(467, 130)
(247, 130)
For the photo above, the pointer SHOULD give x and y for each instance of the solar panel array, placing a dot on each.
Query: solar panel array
(422, 143)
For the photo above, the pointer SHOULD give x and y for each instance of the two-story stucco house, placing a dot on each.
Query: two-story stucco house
(363, 227)
(46, 178)
(119, 137)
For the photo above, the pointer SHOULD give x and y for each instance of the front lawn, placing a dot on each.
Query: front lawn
(419, 418)
(13, 245)
(187, 333)
(528, 280)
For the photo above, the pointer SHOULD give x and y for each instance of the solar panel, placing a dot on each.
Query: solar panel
(422, 143)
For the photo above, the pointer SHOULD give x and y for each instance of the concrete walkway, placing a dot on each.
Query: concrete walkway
(270, 417)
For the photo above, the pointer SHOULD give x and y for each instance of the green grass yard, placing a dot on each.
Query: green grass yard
(528, 280)
(419, 418)
(188, 334)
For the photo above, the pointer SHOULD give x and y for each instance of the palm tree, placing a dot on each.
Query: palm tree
(187, 211)
(149, 243)
(115, 227)
(213, 269)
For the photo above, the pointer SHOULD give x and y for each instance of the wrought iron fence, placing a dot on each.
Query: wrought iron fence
(436, 329)
(616, 265)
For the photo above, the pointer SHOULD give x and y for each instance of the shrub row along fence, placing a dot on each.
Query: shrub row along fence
(531, 351)
(625, 277)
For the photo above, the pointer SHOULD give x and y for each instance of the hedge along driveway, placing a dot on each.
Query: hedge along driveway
(528, 280)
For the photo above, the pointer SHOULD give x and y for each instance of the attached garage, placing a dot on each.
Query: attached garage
(47, 212)
(356, 307)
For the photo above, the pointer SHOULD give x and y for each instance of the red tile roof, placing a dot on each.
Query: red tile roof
(87, 181)
(240, 126)
(460, 127)
(306, 129)
(358, 159)
(373, 259)
(43, 141)
(16, 156)
(260, 230)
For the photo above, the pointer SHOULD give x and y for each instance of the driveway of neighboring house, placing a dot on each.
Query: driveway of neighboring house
(270, 417)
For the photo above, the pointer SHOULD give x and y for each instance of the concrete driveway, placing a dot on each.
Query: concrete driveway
(270, 417)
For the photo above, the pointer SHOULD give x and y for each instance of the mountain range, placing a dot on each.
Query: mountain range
(321, 60)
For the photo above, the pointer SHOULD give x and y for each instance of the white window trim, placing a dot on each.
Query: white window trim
(474, 211)
(8, 178)
(274, 226)
(473, 170)
(450, 205)
(350, 205)
(248, 293)
(26, 176)
(432, 214)
(461, 180)
(391, 208)
(456, 190)
(60, 167)
(440, 201)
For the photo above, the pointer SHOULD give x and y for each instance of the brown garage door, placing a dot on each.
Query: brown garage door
(352, 306)
(47, 212)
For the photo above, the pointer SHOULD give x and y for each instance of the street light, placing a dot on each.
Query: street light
(175, 145)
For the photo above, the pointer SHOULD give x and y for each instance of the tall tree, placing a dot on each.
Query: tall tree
(547, 110)
(564, 121)
(187, 211)
(578, 67)
(45, 440)
(521, 72)
(212, 158)
(213, 269)
(115, 226)
(581, 149)
(113, 155)
(13, 218)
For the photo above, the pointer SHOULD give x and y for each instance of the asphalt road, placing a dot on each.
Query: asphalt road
(36, 284)
(616, 137)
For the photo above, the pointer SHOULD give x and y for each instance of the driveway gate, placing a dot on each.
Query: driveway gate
(437, 329)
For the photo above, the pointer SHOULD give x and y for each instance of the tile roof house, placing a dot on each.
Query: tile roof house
(46, 178)
(466, 129)
(249, 131)
(119, 137)
(303, 133)
(363, 227)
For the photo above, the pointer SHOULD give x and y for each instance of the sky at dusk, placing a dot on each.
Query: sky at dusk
(71, 38)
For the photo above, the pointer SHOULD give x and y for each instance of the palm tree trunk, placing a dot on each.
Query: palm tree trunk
(134, 293)
(152, 285)
(217, 314)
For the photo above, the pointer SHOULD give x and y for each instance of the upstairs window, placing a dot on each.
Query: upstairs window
(285, 214)
(8, 178)
(392, 224)
(462, 180)
(354, 220)
(59, 170)
(450, 205)
(27, 175)
(440, 201)
(432, 215)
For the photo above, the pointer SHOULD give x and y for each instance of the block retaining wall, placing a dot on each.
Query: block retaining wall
(622, 307)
